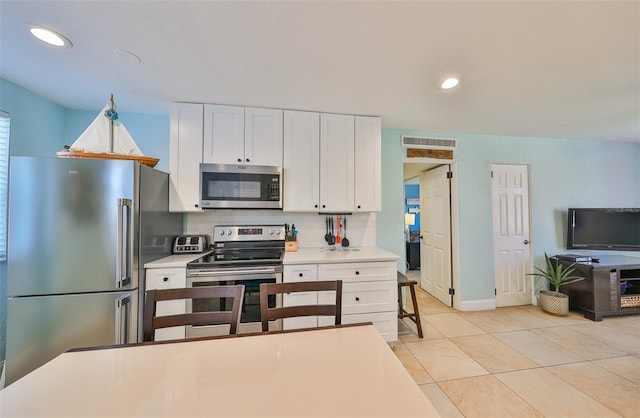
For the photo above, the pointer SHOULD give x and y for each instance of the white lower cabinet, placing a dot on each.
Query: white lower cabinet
(300, 273)
(168, 278)
(369, 294)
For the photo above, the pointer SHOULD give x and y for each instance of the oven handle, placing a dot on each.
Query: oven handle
(229, 272)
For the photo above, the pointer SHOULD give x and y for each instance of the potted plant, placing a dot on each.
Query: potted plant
(552, 301)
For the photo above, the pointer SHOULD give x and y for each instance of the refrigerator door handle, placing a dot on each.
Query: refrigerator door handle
(123, 314)
(123, 251)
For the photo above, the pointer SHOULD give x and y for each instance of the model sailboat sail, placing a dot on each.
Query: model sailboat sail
(107, 138)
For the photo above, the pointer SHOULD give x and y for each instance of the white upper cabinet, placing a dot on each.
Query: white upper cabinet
(223, 140)
(238, 135)
(336, 163)
(301, 166)
(185, 156)
(331, 163)
(263, 136)
(368, 155)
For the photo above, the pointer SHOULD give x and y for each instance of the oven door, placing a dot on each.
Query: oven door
(251, 278)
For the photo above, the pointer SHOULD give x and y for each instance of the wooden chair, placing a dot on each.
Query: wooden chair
(153, 322)
(402, 312)
(269, 314)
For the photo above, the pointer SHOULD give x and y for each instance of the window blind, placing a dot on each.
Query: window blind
(4, 178)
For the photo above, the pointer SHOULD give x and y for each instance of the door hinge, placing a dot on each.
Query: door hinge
(491, 173)
(452, 291)
(449, 174)
(495, 291)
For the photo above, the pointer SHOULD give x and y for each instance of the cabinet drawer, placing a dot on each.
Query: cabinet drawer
(168, 278)
(365, 297)
(358, 272)
(385, 322)
(172, 278)
(300, 273)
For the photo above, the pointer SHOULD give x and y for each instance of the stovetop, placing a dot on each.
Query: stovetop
(244, 245)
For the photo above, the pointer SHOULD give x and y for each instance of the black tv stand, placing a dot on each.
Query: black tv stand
(601, 293)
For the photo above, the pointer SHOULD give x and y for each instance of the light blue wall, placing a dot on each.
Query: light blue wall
(37, 124)
(563, 173)
(390, 221)
(40, 127)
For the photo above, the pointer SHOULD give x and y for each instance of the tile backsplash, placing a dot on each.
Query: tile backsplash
(361, 227)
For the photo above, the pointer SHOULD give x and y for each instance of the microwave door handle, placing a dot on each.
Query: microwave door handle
(123, 261)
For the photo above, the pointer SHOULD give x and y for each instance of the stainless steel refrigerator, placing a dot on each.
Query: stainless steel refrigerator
(80, 231)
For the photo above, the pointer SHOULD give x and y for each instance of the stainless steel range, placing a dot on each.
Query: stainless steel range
(242, 254)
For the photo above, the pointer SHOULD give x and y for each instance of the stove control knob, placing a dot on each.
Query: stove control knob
(278, 232)
(229, 232)
(271, 232)
(222, 232)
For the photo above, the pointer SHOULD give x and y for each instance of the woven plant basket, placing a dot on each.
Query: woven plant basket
(554, 303)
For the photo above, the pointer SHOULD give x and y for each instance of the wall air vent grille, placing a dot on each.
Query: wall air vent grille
(425, 142)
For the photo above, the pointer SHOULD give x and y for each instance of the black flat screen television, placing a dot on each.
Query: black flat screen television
(604, 229)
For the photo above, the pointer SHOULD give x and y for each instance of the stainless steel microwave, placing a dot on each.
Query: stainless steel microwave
(230, 186)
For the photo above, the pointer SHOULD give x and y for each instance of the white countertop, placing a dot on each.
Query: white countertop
(339, 255)
(302, 256)
(346, 371)
(176, 260)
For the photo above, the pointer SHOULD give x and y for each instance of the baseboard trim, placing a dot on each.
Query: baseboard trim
(477, 305)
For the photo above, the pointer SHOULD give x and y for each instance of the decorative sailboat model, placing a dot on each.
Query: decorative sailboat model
(107, 138)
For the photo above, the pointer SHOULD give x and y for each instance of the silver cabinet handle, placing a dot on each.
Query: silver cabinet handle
(123, 261)
(122, 316)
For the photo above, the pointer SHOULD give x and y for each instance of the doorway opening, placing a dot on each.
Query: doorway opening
(428, 219)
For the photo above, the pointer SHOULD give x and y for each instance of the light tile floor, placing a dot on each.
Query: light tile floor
(521, 362)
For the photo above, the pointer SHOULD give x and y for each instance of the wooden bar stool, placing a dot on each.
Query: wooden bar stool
(402, 312)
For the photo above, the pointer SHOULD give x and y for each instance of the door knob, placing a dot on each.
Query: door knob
(526, 242)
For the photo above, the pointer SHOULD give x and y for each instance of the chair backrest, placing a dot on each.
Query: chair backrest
(269, 314)
(153, 322)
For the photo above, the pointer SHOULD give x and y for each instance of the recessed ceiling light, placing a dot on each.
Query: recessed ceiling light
(49, 36)
(449, 83)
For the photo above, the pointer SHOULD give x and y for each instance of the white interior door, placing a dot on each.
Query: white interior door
(512, 254)
(435, 229)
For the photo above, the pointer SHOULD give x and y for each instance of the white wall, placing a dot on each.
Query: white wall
(361, 228)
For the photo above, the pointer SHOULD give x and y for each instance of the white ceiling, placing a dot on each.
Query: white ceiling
(560, 69)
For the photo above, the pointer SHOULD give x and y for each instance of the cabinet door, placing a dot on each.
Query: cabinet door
(170, 278)
(223, 139)
(301, 164)
(368, 174)
(185, 156)
(300, 273)
(263, 136)
(336, 163)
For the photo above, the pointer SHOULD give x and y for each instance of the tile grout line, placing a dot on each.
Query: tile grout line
(525, 327)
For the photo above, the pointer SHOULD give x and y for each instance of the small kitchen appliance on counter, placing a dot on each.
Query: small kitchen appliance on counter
(185, 244)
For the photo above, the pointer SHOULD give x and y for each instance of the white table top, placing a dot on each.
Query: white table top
(348, 371)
